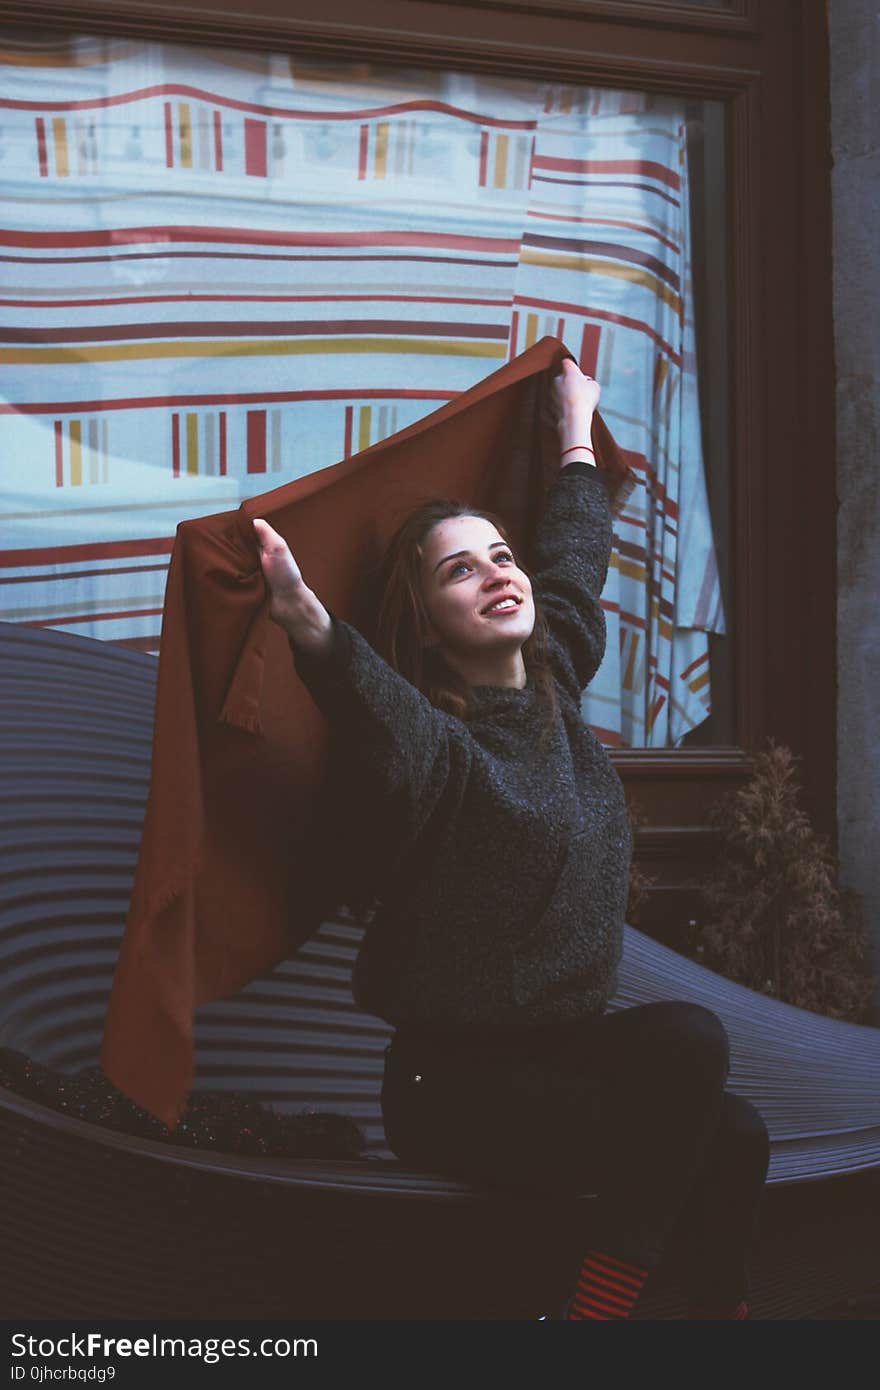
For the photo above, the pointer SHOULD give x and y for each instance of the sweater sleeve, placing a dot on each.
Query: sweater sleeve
(393, 736)
(570, 559)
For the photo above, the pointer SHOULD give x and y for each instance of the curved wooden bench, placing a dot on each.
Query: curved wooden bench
(100, 1223)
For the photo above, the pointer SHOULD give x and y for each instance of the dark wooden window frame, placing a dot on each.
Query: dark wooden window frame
(768, 61)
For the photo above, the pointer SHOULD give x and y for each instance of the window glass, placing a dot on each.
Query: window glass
(223, 270)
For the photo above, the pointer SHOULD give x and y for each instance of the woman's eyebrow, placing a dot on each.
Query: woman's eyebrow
(459, 553)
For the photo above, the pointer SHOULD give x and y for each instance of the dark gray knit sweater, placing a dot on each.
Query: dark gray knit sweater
(508, 902)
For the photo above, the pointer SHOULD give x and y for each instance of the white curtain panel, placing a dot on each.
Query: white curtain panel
(222, 271)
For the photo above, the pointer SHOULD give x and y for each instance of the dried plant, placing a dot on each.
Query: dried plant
(773, 917)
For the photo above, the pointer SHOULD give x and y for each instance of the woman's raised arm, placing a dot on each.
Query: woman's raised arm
(572, 547)
(385, 725)
(576, 397)
(293, 604)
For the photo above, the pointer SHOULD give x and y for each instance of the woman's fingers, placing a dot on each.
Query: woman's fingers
(571, 378)
(267, 536)
(280, 569)
(573, 387)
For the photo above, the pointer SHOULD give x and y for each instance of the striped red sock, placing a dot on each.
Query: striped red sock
(739, 1312)
(607, 1287)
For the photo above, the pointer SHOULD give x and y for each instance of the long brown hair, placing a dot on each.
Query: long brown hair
(402, 623)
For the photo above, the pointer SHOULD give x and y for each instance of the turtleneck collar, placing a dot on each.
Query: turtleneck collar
(482, 696)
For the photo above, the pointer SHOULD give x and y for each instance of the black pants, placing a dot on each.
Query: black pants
(629, 1105)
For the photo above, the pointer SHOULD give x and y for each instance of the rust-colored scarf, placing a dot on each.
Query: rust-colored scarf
(221, 893)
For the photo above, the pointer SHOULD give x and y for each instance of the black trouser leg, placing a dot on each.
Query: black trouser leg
(629, 1104)
(721, 1216)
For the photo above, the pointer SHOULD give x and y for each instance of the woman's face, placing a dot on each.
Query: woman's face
(476, 596)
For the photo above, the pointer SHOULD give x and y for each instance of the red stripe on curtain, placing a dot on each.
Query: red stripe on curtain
(41, 147)
(650, 167)
(226, 398)
(94, 550)
(165, 254)
(362, 152)
(181, 89)
(59, 456)
(94, 617)
(589, 355)
(177, 233)
(255, 147)
(119, 299)
(256, 441)
(253, 328)
(349, 418)
(50, 578)
(169, 137)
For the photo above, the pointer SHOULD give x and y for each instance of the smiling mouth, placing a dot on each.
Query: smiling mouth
(508, 604)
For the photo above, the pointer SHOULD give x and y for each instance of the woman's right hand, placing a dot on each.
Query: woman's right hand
(293, 605)
(281, 572)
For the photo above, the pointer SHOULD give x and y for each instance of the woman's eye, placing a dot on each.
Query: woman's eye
(501, 555)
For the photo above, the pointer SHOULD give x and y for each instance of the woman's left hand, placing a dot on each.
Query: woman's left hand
(576, 395)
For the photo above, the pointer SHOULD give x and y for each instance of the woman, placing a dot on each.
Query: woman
(499, 838)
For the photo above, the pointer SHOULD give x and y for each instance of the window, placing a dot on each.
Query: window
(732, 72)
(230, 271)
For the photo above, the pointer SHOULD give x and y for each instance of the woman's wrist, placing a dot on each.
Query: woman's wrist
(578, 455)
(575, 428)
(306, 621)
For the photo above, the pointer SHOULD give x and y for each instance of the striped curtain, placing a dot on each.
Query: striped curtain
(222, 271)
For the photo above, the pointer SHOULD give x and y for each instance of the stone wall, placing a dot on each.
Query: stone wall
(854, 30)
